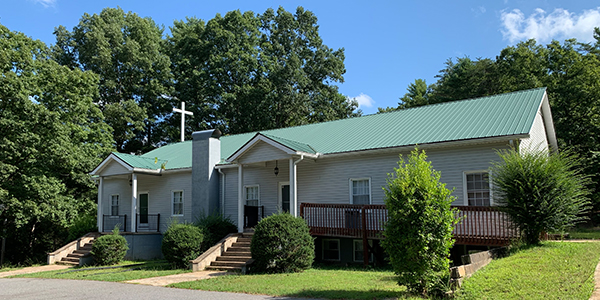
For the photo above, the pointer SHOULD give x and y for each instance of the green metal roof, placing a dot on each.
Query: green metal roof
(499, 115)
(292, 144)
(141, 162)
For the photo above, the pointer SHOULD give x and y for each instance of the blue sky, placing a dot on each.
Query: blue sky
(387, 44)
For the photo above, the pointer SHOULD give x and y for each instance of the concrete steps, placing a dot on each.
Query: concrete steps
(235, 257)
(74, 257)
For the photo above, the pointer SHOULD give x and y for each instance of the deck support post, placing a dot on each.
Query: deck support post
(133, 201)
(365, 240)
(100, 219)
(240, 198)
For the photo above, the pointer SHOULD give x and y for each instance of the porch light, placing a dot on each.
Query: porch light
(276, 170)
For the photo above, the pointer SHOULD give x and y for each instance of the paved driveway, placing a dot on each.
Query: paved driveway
(35, 288)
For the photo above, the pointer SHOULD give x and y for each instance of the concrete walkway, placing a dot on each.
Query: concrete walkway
(166, 280)
(33, 270)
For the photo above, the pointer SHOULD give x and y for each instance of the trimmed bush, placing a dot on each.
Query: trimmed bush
(418, 234)
(182, 243)
(214, 227)
(282, 244)
(109, 249)
(82, 225)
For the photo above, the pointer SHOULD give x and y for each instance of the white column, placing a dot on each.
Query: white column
(133, 201)
(240, 198)
(293, 198)
(100, 213)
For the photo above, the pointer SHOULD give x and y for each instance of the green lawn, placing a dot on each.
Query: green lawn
(127, 270)
(555, 270)
(319, 282)
(585, 233)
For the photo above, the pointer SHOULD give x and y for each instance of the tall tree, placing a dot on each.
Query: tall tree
(52, 136)
(246, 72)
(125, 50)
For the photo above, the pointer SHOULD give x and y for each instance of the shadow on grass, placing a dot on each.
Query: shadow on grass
(345, 294)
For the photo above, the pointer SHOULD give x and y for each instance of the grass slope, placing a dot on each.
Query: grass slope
(555, 270)
(140, 270)
(319, 282)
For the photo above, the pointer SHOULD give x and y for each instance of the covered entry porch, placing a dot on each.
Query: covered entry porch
(266, 174)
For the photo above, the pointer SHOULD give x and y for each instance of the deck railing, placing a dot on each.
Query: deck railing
(109, 222)
(147, 223)
(478, 226)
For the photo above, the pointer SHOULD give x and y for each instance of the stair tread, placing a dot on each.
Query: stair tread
(227, 268)
(234, 258)
(228, 263)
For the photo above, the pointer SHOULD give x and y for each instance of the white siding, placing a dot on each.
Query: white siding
(538, 139)
(327, 180)
(113, 168)
(159, 196)
(262, 151)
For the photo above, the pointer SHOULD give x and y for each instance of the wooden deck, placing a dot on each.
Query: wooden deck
(479, 225)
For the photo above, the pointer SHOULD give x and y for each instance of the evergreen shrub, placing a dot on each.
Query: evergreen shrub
(540, 191)
(109, 249)
(282, 244)
(182, 243)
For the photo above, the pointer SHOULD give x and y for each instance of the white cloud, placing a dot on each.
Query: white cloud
(364, 100)
(560, 24)
(46, 3)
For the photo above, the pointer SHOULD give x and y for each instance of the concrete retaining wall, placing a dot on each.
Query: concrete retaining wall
(143, 246)
(474, 262)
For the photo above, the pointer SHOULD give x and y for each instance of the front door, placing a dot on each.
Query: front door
(284, 198)
(143, 208)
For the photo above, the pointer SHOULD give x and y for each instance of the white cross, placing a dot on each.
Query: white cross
(183, 113)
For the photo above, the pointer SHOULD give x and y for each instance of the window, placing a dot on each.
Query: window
(177, 203)
(360, 191)
(478, 188)
(114, 205)
(252, 195)
(358, 251)
(331, 249)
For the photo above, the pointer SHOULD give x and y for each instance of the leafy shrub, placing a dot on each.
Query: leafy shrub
(540, 191)
(109, 249)
(418, 235)
(82, 225)
(282, 244)
(182, 243)
(214, 227)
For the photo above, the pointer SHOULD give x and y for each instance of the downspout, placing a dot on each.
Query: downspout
(222, 191)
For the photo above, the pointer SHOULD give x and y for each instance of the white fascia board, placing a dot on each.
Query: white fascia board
(549, 123)
(147, 171)
(257, 138)
(435, 145)
(103, 164)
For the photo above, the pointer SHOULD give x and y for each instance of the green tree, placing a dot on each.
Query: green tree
(52, 136)
(245, 72)
(418, 95)
(418, 234)
(541, 192)
(125, 50)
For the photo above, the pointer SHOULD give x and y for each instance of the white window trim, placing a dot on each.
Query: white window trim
(354, 251)
(118, 205)
(246, 192)
(323, 249)
(465, 195)
(350, 188)
(173, 203)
